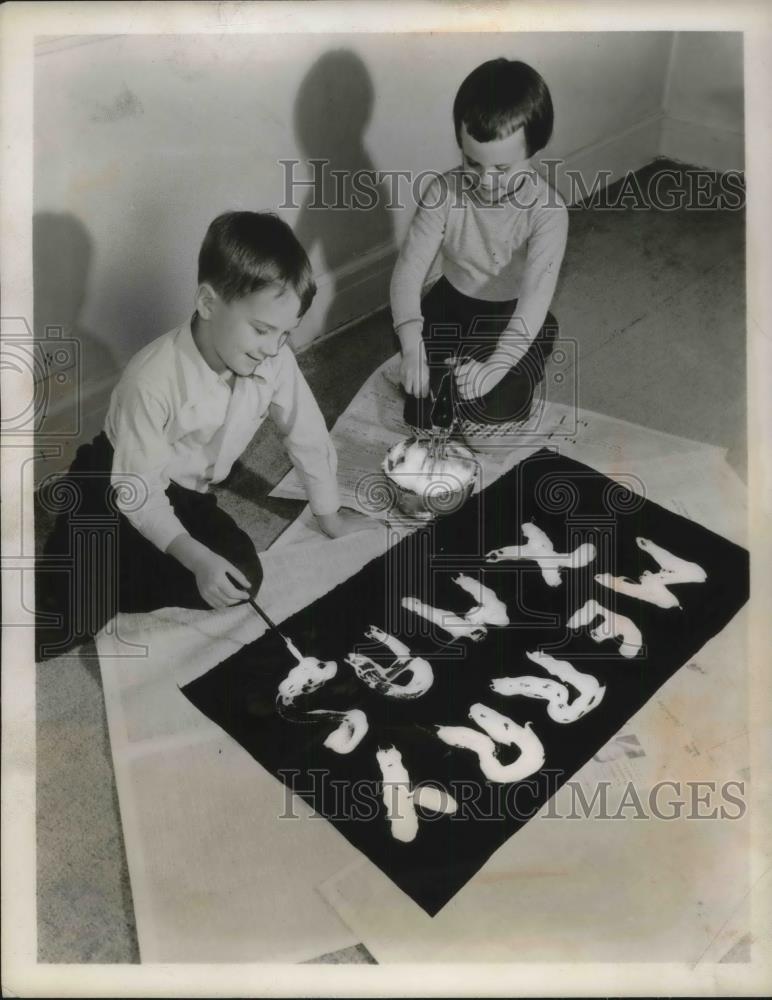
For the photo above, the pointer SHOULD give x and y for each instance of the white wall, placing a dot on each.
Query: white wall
(142, 140)
(704, 107)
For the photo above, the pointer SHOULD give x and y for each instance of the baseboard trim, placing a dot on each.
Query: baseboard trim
(348, 294)
(702, 145)
(607, 160)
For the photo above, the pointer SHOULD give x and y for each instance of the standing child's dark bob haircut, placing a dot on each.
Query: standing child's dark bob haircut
(243, 252)
(500, 96)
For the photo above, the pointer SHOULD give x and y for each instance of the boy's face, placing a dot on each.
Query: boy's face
(496, 163)
(243, 333)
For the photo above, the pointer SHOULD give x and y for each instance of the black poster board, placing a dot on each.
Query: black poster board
(572, 505)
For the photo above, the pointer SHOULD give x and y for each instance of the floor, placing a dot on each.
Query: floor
(653, 305)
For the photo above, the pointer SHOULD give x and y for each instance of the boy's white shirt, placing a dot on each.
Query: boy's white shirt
(509, 250)
(173, 419)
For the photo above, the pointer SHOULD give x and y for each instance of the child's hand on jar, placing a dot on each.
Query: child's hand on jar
(414, 366)
(475, 378)
(414, 371)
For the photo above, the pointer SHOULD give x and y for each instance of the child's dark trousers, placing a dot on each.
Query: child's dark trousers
(96, 563)
(456, 325)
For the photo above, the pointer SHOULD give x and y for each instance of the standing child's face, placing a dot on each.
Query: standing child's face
(496, 163)
(241, 334)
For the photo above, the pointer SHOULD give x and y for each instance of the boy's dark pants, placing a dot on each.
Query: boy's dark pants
(105, 565)
(463, 327)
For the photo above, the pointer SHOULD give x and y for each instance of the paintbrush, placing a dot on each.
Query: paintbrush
(259, 610)
(264, 616)
(287, 641)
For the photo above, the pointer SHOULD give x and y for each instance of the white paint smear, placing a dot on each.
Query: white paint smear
(435, 800)
(453, 624)
(307, 676)
(489, 610)
(553, 692)
(541, 550)
(351, 730)
(502, 730)
(400, 801)
(400, 810)
(653, 587)
(612, 626)
(383, 679)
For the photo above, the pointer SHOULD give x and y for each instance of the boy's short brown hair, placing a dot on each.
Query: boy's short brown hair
(243, 252)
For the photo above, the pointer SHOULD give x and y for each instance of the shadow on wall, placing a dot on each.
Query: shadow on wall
(332, 111)
(73, 359)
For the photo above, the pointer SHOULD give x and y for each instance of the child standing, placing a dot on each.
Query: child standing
(501, 231)
(184, 410)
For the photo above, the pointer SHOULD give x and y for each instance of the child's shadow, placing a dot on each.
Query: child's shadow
(62, 255)
(332, 111)
(76, 368)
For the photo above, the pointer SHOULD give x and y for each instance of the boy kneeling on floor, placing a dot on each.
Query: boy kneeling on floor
(185, 408)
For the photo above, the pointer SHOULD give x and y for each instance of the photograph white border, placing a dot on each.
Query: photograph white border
(22, 975)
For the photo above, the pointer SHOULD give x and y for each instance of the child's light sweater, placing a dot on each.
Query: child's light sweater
(510, 249)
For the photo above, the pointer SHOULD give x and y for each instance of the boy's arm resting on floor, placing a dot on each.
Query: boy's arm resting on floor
(305, 436)
(307, 440)
(546, 247)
